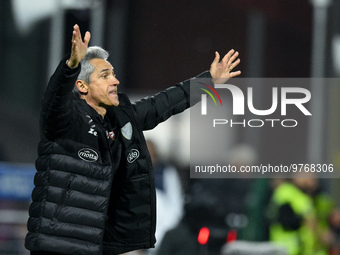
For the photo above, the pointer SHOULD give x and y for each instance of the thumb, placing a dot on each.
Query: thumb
(87, 37)
(216, 59)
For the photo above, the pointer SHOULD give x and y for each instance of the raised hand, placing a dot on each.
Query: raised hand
(222, 71)
(79, 47)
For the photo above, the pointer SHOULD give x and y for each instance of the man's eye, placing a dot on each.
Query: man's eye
(104, 76)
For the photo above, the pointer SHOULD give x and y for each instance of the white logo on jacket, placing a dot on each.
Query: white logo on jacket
(127, 130)
(133, 155)
(92, 130)
(88, 154)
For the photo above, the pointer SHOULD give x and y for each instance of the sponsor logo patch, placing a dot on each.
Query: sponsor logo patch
(133, 155)
(88, 154)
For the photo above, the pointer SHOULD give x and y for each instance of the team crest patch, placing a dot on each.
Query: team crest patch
(111, 134)
(127, 130)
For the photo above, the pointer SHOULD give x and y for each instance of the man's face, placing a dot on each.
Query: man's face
(102, 90)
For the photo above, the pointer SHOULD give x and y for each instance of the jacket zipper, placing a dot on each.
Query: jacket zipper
(150, 173)
(65, 194)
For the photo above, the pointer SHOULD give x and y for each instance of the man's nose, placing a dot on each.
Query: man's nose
(115, 81)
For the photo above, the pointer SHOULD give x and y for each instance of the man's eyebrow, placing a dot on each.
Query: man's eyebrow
(105, 70)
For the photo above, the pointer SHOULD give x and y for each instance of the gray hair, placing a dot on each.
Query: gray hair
(86, 67)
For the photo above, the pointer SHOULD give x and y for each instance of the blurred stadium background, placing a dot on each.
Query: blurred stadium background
(152, 45)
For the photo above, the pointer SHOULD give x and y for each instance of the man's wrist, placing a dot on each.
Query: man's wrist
(68, 63)
(69, 68)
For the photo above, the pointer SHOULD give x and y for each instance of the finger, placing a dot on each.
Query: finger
(74, 40)
(233, 74)
(216, 59)
(232, 59)
(74, 34)
(228, 56)
(234, 64)
(78, 34)
(87, 38)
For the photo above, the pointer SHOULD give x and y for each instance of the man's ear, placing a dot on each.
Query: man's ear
(82, 87)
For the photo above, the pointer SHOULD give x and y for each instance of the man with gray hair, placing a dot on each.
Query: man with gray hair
(94, 187)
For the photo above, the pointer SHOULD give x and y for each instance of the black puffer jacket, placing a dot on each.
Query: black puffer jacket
(94, 189)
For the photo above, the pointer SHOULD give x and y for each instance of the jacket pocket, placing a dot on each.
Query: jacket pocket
(130, 219)
(64, 196)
